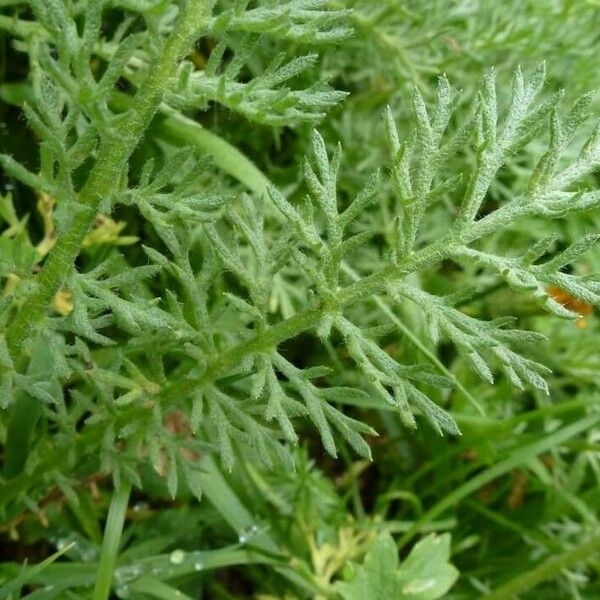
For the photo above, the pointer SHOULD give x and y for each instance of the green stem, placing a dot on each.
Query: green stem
(115, 149)
(56, 268)
(267, 339)
(110, 543)
(547, 570)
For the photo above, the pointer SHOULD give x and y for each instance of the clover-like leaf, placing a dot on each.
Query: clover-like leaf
(425, 574)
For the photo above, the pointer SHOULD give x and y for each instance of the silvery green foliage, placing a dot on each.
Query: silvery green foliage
(113, 345)
(265, 98)
(241, 275)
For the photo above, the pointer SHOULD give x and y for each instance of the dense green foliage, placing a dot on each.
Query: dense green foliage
(298, 299)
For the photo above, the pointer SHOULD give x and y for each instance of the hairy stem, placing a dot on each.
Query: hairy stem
(113, 154)
(268, 339)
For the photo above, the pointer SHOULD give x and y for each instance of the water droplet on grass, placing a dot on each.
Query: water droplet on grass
(177, 557)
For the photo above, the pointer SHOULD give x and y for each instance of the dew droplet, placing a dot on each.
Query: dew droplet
(89, 554)
(61, 544)
(177, 557)
(127, 574)
(248, 533)
(140, 507)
